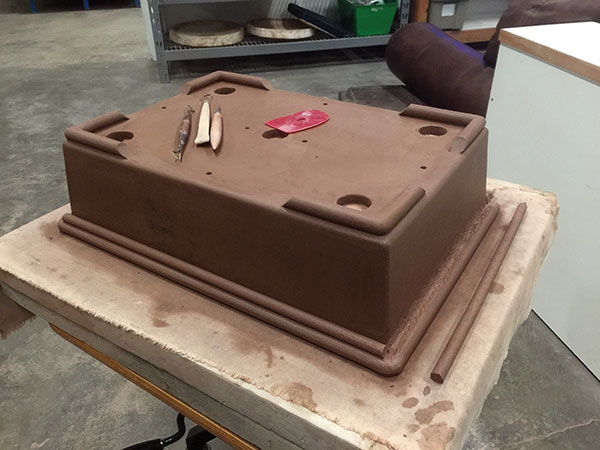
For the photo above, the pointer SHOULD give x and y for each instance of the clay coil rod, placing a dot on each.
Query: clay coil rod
(454, 344)
(422, 316)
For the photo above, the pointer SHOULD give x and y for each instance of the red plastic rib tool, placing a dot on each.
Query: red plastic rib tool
(299, 121)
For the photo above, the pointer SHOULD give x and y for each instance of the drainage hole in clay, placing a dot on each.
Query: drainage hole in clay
(225, 91)
(432, 130)
(304, 141)
(274, 134)
(423, 167)
(163, 107)
(208, 173)
(354, 201)
(120, 135)
(246, 128)
(325, 104)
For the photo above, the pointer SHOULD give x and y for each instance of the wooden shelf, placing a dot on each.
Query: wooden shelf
(474, 35)
(167, 51)
(420, 10)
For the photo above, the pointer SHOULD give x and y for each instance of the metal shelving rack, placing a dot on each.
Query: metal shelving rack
(166, 50)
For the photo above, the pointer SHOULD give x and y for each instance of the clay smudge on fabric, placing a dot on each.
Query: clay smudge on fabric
(296, 393)
(413, 428)
(159, 323)
(426, 391)
(410, 402)
(426, 415)
(252, 346)
(162, 304)
(518, 271)
(268, 353)
(497, 288)
(436, 436)
(169, 308)
(401, 392)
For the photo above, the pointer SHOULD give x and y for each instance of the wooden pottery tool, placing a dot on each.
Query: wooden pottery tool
(183, 133)
(216, 130)
(203, 135)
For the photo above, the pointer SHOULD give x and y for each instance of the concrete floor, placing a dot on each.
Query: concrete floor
(57, 69)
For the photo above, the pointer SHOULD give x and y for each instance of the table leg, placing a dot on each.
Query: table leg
(205, 422)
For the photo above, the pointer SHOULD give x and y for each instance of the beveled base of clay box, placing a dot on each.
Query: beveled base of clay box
(462, 269)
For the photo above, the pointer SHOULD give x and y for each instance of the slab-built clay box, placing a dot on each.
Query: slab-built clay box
(341, 234)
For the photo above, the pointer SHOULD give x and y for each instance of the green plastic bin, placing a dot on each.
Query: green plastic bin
(367, 20)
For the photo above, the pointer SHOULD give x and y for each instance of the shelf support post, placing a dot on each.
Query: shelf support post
(159, 44)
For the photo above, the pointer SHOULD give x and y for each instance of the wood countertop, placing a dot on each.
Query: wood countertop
(574, 47)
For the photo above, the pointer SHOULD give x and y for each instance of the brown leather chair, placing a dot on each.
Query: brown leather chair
(448, 74)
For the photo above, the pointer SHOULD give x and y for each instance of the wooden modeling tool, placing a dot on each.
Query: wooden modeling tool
(183, 133)
(203, 135)
(465, 323)
(216, 130)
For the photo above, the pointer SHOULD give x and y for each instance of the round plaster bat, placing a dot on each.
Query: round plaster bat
(207, 33)
(279, 29)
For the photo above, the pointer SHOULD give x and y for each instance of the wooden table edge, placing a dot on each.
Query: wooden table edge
(205, 422)
(472, 35)
(551, 55)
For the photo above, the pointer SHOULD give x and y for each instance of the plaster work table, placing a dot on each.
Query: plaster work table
(212, 362)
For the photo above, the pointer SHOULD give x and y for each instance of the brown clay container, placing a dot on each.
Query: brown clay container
(332, 233)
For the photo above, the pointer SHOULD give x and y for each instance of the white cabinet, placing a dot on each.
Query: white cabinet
(544, 122)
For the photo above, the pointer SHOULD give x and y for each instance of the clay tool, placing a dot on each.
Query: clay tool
(299, 121)
(183, 133)
(216, 129)
(203, 135)
(466, 321)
